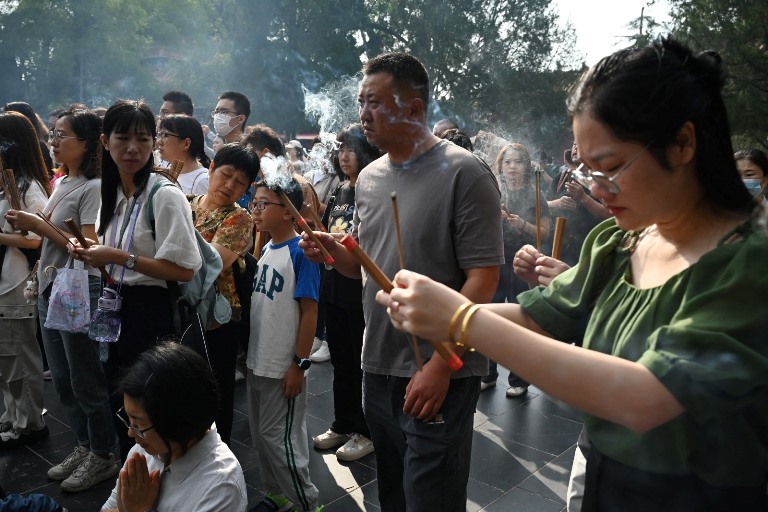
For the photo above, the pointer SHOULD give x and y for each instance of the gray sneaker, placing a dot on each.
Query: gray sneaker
(90, 472)
(68, 465)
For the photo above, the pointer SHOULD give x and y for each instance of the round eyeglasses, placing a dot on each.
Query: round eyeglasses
(586, 177)
(123, 416)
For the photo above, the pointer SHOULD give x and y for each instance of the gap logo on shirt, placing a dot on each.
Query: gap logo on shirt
(276, 281)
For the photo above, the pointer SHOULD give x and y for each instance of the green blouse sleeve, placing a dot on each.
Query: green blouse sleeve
(713, 354)
(563, 308)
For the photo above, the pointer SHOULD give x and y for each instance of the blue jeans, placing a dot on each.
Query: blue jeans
(421, 466)
(78, 378)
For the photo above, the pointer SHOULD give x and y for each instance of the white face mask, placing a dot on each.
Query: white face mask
(753, 185)
(221, 124)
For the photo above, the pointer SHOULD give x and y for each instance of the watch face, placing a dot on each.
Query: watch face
(305, 364)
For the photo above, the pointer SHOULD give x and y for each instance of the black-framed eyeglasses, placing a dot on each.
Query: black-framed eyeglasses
(586, 177)
(127, 422)
(164, 135)
(224, 111)
(57, 135)
(260, 205)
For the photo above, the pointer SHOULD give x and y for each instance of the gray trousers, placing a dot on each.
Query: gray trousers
(279, 432)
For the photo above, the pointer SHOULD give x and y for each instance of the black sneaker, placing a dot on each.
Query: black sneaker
(12, 437)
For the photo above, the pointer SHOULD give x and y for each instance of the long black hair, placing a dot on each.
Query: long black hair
(121, 117)
(20, 151)
(646, 95)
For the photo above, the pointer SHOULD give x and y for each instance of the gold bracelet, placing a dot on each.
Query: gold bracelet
(465, 324)
(455, 318)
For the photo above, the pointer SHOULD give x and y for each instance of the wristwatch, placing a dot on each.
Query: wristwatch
(303, 364)
(130, 263)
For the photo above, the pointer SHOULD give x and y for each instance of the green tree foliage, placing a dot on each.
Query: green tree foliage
(495, 64)
(738, 30)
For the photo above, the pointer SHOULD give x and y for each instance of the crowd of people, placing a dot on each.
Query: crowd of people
(639, 321)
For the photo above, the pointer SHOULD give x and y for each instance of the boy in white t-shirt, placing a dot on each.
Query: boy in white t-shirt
(283, 320)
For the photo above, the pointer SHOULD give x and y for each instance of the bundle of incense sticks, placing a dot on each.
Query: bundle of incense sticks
(75, 229)
(557, 243)
(78, 235)
(454, 362)
(12, 192)
(305, 227)
(175, 170)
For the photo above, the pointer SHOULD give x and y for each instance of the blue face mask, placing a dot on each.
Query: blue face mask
(753, 185)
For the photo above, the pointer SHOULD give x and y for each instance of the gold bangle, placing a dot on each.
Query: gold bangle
(455, 318)
(465, 324)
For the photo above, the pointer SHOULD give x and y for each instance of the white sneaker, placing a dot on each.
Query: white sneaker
(329, 439)
(90, 472)
(356, 448)
(316, 343)
(69, 465)
(515, 391)
(322, 354)
(486, 385)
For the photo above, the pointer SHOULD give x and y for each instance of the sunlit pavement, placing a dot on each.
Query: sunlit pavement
(521, 454)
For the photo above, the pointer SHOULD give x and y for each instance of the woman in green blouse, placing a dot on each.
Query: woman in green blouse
(668, 295)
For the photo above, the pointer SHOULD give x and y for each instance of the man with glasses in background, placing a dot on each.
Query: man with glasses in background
(229, 116)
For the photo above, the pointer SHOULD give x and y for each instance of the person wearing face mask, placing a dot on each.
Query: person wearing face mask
(753, 168)
(229, 116)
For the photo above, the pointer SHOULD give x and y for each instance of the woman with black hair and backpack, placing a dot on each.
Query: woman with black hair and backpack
(140, 258)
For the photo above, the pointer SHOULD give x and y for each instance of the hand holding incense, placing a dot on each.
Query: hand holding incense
(84, 243)
(305, 227)
(450, 357)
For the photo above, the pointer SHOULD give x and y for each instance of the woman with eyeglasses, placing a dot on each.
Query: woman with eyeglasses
(668, 296)
(141, 257)
(73, 358)
(229, 228)
(21, 363)
(180, 137)
(178, 463)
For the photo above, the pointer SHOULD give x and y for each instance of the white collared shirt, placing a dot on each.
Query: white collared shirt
(174, 232)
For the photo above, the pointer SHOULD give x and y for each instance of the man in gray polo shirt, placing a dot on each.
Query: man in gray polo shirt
(448, 201)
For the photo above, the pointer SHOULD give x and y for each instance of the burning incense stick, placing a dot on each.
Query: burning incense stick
(315, 219)
(557, 243)
(80, 238)
(305, 227)
(450, 357)
(414, 342)
(538, 210)
(12, 192)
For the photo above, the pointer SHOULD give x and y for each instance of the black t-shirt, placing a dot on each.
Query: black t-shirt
(335, 288)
